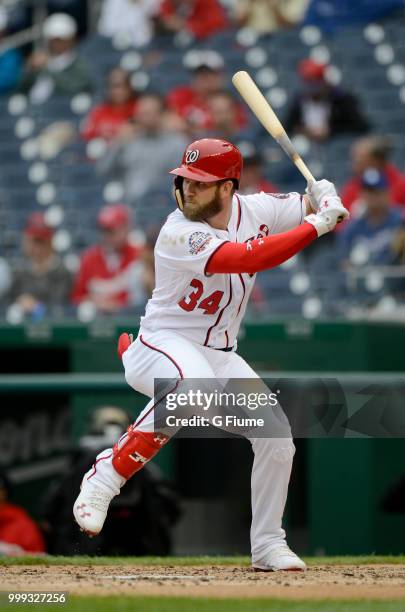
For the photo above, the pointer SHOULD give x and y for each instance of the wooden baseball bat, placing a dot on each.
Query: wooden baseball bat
(268, 118)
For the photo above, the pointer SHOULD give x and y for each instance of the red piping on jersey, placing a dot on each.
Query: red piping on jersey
(236, 239)
(95, 465)
(241, 279)
(239, 214)
(230, 280)
(220, 314)
(261, 253)
(240, 276)
(154, 348)
(244, 293)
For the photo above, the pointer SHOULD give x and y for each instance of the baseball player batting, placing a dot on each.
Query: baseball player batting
(206, 257)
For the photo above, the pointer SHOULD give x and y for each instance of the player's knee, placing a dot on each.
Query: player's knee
(283, 452)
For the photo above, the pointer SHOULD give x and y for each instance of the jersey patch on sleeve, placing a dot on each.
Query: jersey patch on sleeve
(198, 241)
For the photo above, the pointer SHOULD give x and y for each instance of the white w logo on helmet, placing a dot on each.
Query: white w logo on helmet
(192, 156)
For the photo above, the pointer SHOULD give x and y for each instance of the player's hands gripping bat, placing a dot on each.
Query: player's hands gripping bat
(320, 191)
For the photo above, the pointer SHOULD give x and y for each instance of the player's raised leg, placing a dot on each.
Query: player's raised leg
(157, 356)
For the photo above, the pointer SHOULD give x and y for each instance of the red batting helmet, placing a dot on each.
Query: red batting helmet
(208, 160)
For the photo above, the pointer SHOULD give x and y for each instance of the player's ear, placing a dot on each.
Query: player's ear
(227, 187)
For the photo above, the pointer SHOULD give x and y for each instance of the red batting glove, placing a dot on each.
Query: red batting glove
(124, 342)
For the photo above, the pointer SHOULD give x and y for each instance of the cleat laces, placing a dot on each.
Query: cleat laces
(99, 499)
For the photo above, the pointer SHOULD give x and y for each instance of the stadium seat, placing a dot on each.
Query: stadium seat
(79, 190)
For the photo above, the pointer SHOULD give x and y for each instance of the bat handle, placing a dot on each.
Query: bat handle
(305, 171)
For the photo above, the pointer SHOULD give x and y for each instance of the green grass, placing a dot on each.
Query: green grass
(186, 561)
(180, 604)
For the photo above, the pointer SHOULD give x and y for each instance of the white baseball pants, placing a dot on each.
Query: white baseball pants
(166, 354)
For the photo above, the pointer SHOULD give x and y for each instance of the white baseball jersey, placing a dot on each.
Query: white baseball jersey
(209, 309)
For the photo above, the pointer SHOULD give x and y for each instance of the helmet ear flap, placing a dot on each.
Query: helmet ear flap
(178, 191)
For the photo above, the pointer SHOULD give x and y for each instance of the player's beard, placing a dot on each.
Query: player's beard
(204, 211)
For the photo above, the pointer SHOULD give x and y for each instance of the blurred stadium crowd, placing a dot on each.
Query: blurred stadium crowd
(99, 100)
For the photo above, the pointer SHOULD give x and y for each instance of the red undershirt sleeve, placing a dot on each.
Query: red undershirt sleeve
(259, 254)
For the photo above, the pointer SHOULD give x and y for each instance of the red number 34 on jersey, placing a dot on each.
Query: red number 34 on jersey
(209, 305)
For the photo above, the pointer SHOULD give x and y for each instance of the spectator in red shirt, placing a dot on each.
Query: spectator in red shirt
(253, 179)
(106, 119)
(201, 18)
(372, 152)
(19, 534)
(104, 275)
(191, 102)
